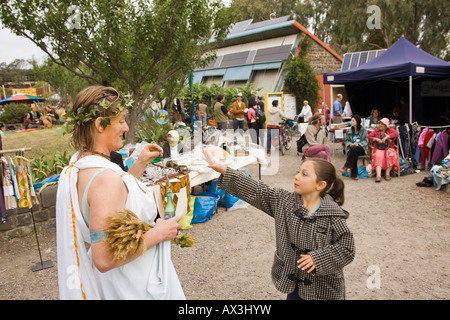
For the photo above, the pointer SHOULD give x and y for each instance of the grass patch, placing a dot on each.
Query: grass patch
(41, 142)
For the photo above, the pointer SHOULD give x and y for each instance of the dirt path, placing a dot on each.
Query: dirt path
(401, 235)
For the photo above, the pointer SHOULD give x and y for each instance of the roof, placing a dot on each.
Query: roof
(402, 59)
(246, 31)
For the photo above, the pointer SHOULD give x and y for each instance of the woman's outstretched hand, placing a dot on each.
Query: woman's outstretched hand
(212, 162)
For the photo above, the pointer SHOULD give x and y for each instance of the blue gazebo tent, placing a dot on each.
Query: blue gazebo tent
(398, 73)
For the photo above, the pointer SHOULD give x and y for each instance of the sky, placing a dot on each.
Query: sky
(14, 47)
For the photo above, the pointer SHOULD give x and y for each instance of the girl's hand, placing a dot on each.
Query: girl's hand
(306, 262)
(212, 163)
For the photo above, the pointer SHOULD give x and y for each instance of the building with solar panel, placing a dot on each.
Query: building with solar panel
(258, 53)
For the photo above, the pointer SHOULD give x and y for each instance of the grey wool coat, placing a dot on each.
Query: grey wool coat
(324, 235)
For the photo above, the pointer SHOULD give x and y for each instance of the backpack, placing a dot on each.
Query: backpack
(301, 142)
(260, 116)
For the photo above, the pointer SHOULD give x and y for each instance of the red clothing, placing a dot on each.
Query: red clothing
(384, 158)
(377, 134)
(251, 114)
(425, 149)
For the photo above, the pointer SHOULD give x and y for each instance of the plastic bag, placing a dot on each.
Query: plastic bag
(227, 202)
(205, 206)
(362, 173)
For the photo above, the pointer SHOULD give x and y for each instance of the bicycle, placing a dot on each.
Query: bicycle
(285, 137)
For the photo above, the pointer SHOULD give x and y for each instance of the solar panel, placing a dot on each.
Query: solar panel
(273, 54)
(266, 23)
(234, 59)
(363, 58)
(241, 26)
(346, 63)
(372, 54)
(356, 59)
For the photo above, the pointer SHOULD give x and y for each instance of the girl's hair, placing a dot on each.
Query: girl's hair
(220, 97)
(358, 122)
(90, 99)
(251, 101)
(316, 117)
(325, 171)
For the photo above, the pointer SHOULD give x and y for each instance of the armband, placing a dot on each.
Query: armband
(97, 236)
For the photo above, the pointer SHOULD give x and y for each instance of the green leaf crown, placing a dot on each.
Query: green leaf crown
(80, 116)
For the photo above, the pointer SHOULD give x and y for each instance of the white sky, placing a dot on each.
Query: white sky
(13, 47)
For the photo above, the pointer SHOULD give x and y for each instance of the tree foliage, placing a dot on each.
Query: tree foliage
(140, 47)
(61, 79)
(343, 24)
(301, 79)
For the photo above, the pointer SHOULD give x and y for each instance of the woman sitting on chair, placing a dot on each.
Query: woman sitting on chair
(384, 156)
(316, 138)
(356, 141)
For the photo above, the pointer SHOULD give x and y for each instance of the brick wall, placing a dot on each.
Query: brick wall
(321, 59)
(20, 221)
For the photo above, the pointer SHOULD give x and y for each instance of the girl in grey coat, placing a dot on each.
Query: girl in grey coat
(313, 242)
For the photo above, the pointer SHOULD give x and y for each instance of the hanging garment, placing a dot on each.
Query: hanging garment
(426, 147)
(8, 189)
(3, 215)
(26, 194)
(150, 276)
(441, 148)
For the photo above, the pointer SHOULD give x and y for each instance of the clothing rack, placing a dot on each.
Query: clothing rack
(41, 264)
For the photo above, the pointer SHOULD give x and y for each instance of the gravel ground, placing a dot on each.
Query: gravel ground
(401, 235)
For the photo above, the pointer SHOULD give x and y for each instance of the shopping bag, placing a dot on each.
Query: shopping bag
(227, 202)
(205, 206)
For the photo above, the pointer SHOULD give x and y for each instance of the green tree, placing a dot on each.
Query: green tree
(343, 24)
(14, 113)
(61, 79)
(301, 79)
(135, 46)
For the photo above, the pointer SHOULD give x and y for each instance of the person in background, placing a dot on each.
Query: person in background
(262, 126)
(51, 115)
(238, 111)
(337, 109)
(384, 156)
(260, 103)
(221, 113)
(203, 112)
(35, 116)
(253, 124)
(172, 148)
(274, 117)
(306, 112)
(375, 116)
(27, 123)
(316, 138)
(398, 117)
(355, 143)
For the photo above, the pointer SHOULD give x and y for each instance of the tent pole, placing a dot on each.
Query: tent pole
(410, 99)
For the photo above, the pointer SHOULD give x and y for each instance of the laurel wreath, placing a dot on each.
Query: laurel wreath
(80, 117)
